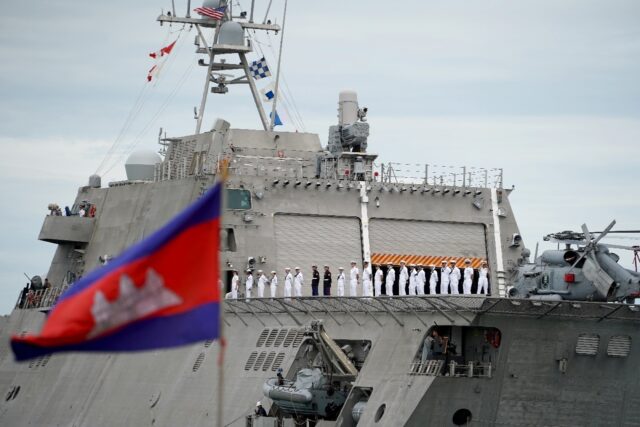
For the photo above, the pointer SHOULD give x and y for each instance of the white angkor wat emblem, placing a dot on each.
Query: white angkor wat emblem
(133, 303)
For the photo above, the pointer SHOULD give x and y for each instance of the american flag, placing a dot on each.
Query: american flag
(217, 13)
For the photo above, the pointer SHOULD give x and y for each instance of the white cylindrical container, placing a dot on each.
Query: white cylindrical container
(347, 107)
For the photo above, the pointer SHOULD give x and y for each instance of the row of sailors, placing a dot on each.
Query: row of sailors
(449, 279)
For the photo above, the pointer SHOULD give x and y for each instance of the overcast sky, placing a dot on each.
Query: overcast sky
(547, 90)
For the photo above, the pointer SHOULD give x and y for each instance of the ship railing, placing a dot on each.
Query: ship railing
(436, 367)
(40, 298)
(285, 167)
(439, 175)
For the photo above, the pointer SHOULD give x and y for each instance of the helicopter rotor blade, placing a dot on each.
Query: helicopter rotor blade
(587, 236)
(604, 233)
(630, 248)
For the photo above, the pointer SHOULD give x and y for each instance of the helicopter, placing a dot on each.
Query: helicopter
(585, 270)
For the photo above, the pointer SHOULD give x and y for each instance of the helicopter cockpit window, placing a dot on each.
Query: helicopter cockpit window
(238, 199)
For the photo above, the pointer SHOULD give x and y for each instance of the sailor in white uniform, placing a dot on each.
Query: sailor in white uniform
(288, 281)
(420, 280)
(235, 282)
(262, 281)
(274, 284)
(412, 280)
(377, 281)
(298, 281)
(468, 277)
(404, 276)
(391, 278)
(367, 289)
(483, 280)
(454, 278)
(341, 280)
(445, 272)
(354, 278)
(248, 284)
(433, 280)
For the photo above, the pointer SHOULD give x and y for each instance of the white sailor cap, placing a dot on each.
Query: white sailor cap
(432, 266)
(353, 262)
(444, 261)
(297, 268)
(258, 403)
(402, 261)
(287, 269)
(314, 265)
(340, 268)
(249, 270)
(273, 272)
(259, 271)
(467, 261)
(452, 261)
(326, 266)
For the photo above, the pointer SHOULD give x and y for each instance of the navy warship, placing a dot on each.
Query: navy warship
(548, 340)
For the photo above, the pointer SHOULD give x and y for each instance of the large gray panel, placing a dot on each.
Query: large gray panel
(303, 240)
(389, 236)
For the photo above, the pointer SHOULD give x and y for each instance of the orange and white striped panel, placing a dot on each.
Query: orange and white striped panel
(426, 260)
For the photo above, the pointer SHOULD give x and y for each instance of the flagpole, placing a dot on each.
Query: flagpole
(223, 173)
(275, 98)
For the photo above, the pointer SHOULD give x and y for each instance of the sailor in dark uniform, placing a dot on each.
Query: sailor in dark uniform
(327, 281)
(315, 280)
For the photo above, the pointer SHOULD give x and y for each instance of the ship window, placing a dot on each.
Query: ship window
(238, 199)
(588, 344)
(380, 412)
(619, 346)
(462, 417)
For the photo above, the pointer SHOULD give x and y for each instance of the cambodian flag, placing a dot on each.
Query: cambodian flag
(161, 292)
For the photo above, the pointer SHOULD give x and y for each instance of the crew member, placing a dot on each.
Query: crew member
(288, 280)
(433, 346)
(483, 281)
(404, 275)
(315, 280)
(274, 284)
(391, 278)
(326, 282)
(248, 284)
(260, 412)
(412, 280)
(341, 280)
(262, 281)
(354, 278)
(377, 281)
(445, 273)
(420, 280)
(298, 281)
(367, 290)
(433, 280)
(235, 280)
(468, 277)
(454, 278)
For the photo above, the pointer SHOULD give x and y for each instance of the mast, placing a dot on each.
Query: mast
(225, 42)
(277, 89)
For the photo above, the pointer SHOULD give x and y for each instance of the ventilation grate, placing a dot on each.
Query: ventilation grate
(290, 337)
(208, 343)
(262, 337)
(45, 360)
(619, 346)
(277, 362)
(588, 344)
(260, 361)
(269, 361)
(271, 338)
(299, 338)
(251, 360)
(280, 338)
(198, 362)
